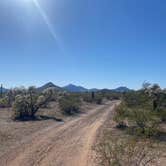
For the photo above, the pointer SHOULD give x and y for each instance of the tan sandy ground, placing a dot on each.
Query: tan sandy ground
(63, 144)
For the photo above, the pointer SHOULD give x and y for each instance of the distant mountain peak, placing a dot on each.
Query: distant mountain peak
(75, 88)
(71, 85)
(49, 85)
(122, 89)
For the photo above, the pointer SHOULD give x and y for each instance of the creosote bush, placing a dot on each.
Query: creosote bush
(69, 104)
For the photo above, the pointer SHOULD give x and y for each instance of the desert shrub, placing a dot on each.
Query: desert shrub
(98, 100)
(120, 116)
(139, 114)
(138, 99)
(47, 96)
(4, 102)
(141, 118)
(143, 111)
(127, 152)
(92, 97)
(87, 98)
(20, 107)
(110, 95)
(140, 122)
(26, 106)
(162, 115)
(148, 132)
(69, 105)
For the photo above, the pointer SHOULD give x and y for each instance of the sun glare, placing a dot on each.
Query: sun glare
(45, 17)
(27, 1)
(43, 14)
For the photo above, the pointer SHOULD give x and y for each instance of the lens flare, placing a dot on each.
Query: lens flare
(45, 18)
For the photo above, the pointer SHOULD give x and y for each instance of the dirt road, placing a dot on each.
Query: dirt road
(65, 144)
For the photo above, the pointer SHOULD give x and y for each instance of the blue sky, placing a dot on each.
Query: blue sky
(94, 43)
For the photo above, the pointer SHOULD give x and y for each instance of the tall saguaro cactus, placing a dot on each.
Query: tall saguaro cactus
(93, 95)
(1, 90)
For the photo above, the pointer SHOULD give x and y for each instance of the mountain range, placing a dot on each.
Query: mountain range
(74, 88)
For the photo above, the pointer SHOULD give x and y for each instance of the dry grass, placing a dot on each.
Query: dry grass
(117, 148)
(131, 152)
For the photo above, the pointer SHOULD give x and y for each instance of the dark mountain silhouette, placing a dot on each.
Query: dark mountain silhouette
(121, 89)
(49, 85)
(74, 88)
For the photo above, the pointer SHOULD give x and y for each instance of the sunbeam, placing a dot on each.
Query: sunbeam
(46, 19)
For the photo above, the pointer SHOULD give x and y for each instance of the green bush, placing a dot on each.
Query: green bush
(138, 99)
(69, 105)
(140, 122)
(143, 111)
(20, 108)
(162, 115)
(4, 102)
(26, 105)
(88, 99)
(98, 100)
(121, 115)
(93, 98)
(148, 132)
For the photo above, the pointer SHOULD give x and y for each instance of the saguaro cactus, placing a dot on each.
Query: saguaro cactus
(93, 95)
(1, 90)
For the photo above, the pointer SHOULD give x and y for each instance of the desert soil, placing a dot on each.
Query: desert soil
(67, 143)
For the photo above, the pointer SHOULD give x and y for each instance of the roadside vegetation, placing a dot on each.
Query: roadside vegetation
(120, 150)
(25, 111)
(70, 104)
(138, 137)
(26, 102)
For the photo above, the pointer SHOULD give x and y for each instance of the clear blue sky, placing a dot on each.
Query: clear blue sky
(94, 43)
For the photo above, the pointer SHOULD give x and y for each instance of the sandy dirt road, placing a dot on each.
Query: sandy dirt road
(66, 144)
